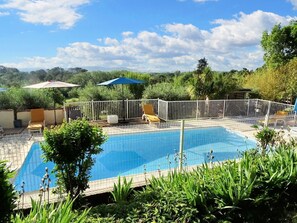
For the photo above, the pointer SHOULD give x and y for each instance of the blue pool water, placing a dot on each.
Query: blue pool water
(135, 153)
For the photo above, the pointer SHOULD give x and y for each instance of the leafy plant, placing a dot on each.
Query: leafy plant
(255, 188)
(71, 147)
(266, 137)
(52, 213)
(122, 190)
(165, 91)
(7, 193)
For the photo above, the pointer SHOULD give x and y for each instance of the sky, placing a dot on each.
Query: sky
(138, 35)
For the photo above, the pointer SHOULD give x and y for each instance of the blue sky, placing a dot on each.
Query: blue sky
(139, 35)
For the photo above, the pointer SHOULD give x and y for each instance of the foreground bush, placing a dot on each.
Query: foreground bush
(52, 213)
(7, 193)
(71, 147)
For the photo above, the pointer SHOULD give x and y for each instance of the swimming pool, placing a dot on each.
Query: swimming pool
(135, 153)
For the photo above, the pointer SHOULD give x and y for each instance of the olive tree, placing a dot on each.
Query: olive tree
(166, 91)
(71, 147)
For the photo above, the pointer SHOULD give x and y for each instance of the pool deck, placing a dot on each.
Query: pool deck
(14, 148)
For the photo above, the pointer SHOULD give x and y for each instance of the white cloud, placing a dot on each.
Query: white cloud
(231, 44)
(47, 12)
(243, 30)
(127, 34)
(4, 13)
(294, 3)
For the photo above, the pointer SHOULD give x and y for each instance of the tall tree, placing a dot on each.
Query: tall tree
(201, 85)
(202, 64)
(280, 45)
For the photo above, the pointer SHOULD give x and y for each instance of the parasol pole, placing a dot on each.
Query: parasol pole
(55, 107)
(123, 103)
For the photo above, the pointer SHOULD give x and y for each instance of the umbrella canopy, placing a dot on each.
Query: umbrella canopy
(52, 84)
(2, 89)
(122, 81)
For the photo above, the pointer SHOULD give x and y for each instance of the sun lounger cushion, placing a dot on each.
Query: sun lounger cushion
(152, 118)
(37, 122)
(148, 109)
(35, 125)
(278, 117)
(149, 114)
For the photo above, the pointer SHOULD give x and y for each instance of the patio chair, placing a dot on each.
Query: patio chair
(37, 122)
(149, 114)
(278, 117)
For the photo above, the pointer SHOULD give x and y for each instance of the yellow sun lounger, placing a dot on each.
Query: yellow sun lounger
(278, 117)
(37, 122)
(149, 114)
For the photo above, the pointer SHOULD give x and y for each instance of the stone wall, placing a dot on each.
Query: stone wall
(7, 117)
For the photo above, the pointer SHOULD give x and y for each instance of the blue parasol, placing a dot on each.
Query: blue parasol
(295, 111)
(122, 81)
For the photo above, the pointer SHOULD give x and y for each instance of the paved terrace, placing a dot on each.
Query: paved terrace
(14, 148)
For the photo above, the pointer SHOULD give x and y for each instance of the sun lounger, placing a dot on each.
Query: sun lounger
(149, 114)
(37, 122)
(278, 117)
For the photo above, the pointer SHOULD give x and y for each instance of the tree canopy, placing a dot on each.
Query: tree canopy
(280, 45)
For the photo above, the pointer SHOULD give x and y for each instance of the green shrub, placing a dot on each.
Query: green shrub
(71, 147)
(266, 138)
(166, 91)
(122, 190)
(7, 193)
(52, 213)
(20, 99)
(102, 93)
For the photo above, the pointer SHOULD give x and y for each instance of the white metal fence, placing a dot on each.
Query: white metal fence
(98, 110)
(176, 110)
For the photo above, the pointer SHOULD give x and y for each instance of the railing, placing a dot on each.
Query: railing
(98, 110)
(175, 110)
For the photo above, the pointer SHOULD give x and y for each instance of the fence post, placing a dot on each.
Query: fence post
(92, 106)
(158, 106)
(248, 108)
(197, 109)
(65, 114)
(224, 107)
(127, 108)
(166, 110)
(267, 114)
(181, 145)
